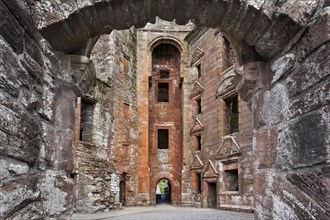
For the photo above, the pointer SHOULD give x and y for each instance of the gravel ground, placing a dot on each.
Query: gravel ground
(163, 212)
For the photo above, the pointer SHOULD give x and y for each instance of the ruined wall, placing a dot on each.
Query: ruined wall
(290, 104)
(38, 98)
(108, 158)
(291, 129)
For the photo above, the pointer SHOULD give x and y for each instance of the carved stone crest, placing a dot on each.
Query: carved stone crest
(228, 147)
(227, 84)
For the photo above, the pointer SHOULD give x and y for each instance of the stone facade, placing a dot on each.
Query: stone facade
(282, 50)
(107, 134)
(221, 134)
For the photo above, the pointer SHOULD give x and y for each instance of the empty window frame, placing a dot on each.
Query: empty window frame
(163, 92)
(199, 142)
(164, 74)
(231, 180)
(163, 138)
(199, 70)
(86, 122)
(199, 106)
(231, 109)
(199, 182)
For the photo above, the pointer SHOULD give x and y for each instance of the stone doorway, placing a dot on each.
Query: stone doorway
(122, 189)
(212, 195)
(163, 192)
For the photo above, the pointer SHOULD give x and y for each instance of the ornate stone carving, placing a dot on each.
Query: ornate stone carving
(198, 89)
(228, 147)
(197, 127)
(197, 164)
(197, 55)
(210, 170)
(227, 84)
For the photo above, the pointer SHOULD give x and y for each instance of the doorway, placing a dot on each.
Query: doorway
(122, 189)
(212, 195)
(163, 192)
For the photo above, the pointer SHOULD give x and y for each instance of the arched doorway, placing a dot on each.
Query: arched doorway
(163, 192)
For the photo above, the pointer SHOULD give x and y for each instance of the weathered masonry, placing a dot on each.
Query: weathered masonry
(228, 104)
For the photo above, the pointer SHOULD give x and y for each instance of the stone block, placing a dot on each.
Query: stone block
(304, 142)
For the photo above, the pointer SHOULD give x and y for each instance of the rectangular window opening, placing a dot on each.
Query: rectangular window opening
(163, 138)
(232, 114)
(199, 142)
(86, 122)
(199, 70)
(199, 182)
(231, 180)
(163, 92)
(199, 106)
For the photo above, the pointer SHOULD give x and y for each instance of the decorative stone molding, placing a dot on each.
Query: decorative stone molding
(197, 90)
(197, 55)
(228, 148)
(197, 127)
(227, 85)
(210, 170)
(197, 163)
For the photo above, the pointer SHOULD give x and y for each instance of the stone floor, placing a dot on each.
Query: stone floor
(165, 212)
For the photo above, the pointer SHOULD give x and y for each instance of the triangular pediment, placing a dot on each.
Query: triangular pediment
(228, 147)
(198, 89)
(197, 127)
(210, 170)
(197, 55)
(197, 163)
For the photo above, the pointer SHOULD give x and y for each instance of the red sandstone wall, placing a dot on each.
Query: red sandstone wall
(146, 154)
(216, 58)
(165, 163)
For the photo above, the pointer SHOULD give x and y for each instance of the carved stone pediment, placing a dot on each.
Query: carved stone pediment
(197, 163)
(228, 148)
(197, 90)
(197, 55)
(197, 127)
(210, 170)
(228, 83)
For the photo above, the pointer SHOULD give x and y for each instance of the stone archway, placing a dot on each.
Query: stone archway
(291, 144)
(263, 25)
(261, 32)
(175, 188)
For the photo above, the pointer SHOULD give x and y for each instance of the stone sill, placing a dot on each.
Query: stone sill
(230, 193)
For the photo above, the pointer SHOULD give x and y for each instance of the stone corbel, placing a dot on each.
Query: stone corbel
(251, 77)
(83, 74)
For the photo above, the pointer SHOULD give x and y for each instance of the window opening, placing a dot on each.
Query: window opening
(163, 92)
(199, 182)
(86, 122)
(199, 70)
(231, 182)
(199, 142)
(232, 115)
(199, 106)
(162, 138)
